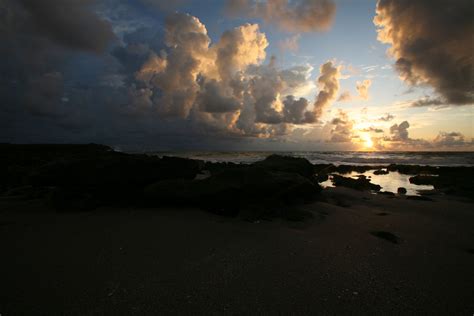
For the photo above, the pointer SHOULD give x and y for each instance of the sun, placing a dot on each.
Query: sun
(368, 143)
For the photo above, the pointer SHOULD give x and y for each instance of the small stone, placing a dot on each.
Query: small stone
(402, 190)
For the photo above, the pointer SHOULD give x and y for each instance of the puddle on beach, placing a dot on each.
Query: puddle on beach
(389, 182)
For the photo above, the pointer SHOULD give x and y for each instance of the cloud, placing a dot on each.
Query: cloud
(226, 86)
(212, 99)
(427, 102)
(372, 129)
(296, 80)
(164, 5)
(292, 16)
(238, 48)
(290, 43)
(387, 118)
(345, 97)
(342, 130)
(69, 23)
(363, 88)
(38, 39)
(452, 139)
(328, 83)
(432, 44)
(175, 73)
(400, 131)
(44, 95)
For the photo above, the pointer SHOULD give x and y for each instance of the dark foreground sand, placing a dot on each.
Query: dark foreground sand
(186, 261)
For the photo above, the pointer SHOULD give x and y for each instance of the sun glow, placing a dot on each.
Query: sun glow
(368, 143)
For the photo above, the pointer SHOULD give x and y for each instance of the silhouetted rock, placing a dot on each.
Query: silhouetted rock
(387, 193)
(401, 190)
(413, 169)
(381, 172)
(322, 172)
(423, 180)
(344, 169)
(361, 183)
(322, 177)
(115, 170)
(229, 191)
(324, 168)
(300, 166)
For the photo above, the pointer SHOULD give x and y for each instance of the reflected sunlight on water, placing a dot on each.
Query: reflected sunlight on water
(389, 182)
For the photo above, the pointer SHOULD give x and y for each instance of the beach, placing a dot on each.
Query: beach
(353, 252)
(185, 261)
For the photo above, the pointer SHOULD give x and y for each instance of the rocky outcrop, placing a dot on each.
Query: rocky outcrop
(236, 189)
(361, 183)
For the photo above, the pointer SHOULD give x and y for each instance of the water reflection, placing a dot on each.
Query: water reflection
(389, 182)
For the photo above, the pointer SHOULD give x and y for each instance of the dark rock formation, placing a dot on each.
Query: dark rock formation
(235, 189)
(361, 183)
(289, 164)
(423, 180)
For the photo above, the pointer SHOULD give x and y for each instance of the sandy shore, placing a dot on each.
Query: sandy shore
(186, 261)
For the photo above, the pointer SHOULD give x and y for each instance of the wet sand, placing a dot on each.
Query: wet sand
(189, 262)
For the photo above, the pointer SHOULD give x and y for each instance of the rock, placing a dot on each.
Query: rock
(423, 180)
(344, 169)
(322, 172)
(401, 191)
(116, 178)
(413, 169)
(321, 177)
(288, 164)
(324, 168)
(230, 191)
(362, 183)
(387, 193)
(381, 172)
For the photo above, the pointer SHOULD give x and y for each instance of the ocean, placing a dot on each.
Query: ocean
(340, 157)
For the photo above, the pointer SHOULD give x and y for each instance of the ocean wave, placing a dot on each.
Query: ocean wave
(339, 158)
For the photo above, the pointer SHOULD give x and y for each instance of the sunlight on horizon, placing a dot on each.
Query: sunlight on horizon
(368, 143)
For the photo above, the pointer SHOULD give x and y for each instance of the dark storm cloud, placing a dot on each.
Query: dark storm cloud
(69, 23)
(432, 43)
(167, 84)
(37, 38)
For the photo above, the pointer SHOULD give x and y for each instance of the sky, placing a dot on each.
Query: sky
(239, 74)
